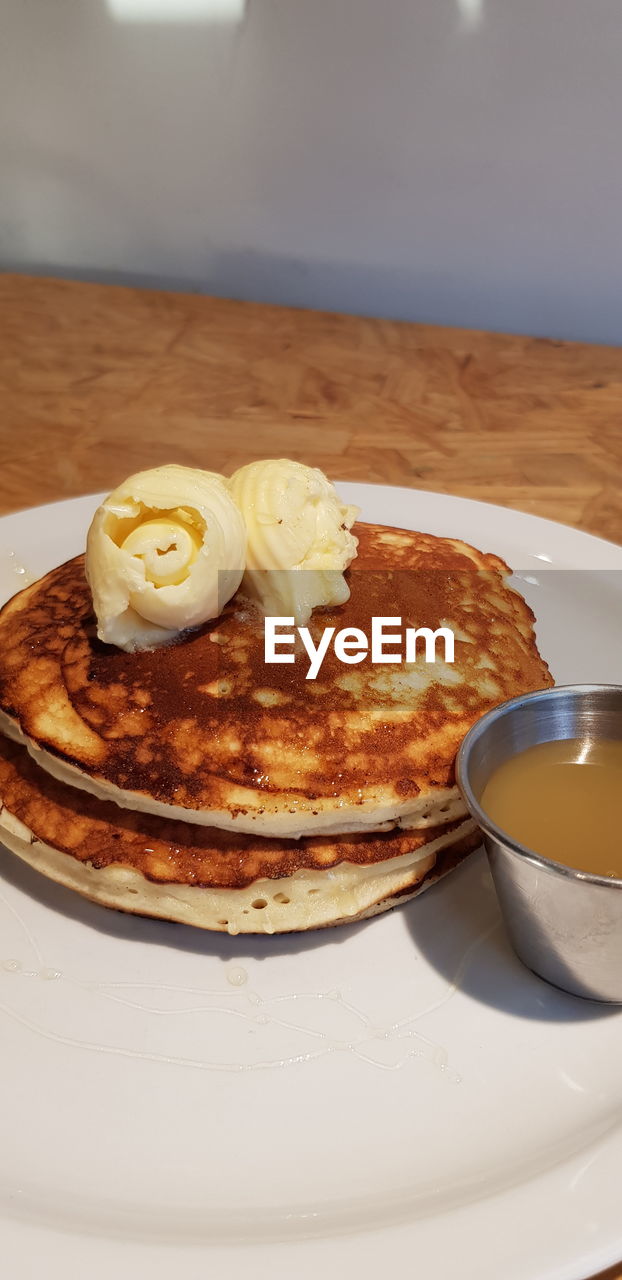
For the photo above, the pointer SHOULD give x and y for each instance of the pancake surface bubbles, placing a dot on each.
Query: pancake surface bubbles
(203, 730)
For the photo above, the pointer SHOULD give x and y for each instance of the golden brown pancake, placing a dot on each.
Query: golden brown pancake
(215, 879)
(203, 730)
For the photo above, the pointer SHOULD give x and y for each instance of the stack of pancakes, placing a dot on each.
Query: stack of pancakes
(196, 783)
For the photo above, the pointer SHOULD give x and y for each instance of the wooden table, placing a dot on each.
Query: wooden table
(97, 382)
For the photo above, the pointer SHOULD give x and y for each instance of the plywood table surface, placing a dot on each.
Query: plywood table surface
(99, 381)
(96, 382)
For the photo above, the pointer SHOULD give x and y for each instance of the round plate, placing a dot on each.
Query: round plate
(401, 1093)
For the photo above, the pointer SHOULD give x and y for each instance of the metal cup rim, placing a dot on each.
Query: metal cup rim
(486, 823)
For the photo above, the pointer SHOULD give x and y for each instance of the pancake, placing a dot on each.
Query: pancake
(214, 879)
(203, 730)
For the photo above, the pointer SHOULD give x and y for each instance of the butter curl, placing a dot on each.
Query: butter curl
(298, 537)
(165, 552)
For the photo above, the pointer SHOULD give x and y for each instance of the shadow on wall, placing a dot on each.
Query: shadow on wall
(446, 160)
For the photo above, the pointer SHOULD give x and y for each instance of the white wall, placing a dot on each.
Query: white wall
(457, 161)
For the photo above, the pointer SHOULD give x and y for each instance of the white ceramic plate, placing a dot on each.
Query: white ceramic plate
(396, 1096)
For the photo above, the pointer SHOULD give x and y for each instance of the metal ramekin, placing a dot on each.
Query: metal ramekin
(565, 925)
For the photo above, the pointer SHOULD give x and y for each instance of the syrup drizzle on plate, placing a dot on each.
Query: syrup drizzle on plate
(14, 575)
(325, 1020)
